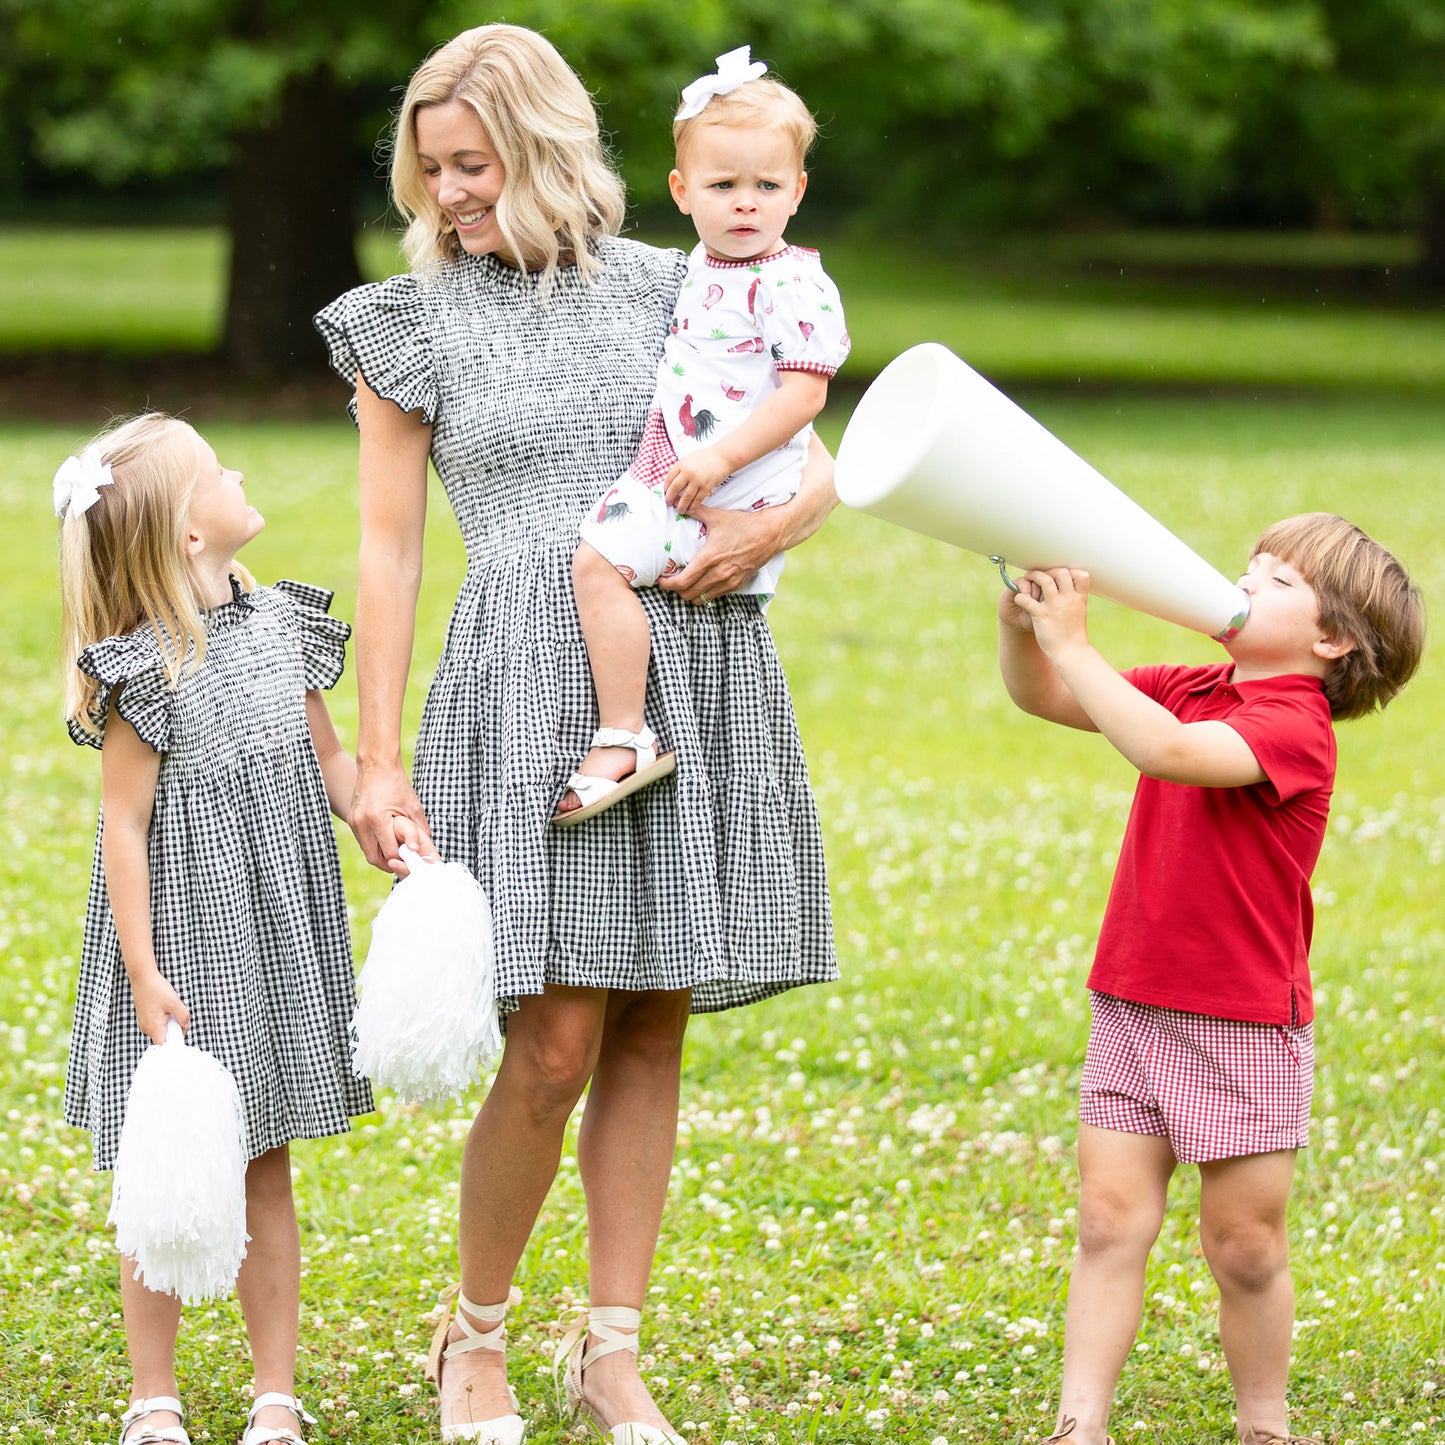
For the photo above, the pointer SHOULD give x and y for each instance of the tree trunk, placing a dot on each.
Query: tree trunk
(293, 246)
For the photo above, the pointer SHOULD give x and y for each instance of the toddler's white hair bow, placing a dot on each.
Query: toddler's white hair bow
(78, 482)
(733, 69)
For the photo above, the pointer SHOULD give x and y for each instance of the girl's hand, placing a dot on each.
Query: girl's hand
(155, 1002)
(385, 813)
(695, 478)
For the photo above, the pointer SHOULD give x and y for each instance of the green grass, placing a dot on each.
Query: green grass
(1026, 310)
(870, 1221)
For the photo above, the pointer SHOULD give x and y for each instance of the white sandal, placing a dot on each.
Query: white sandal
(162, 1434)
(598, 794)
(606, 1322)
(269, 1434)
(504, 1429)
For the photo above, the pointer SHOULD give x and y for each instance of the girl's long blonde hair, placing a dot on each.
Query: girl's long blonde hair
(560, 195)
(123, 561)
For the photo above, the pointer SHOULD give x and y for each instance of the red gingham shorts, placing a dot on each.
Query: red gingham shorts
(1215, 1088)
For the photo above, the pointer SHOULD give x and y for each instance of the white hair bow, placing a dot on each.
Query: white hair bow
(733, 69)
(78, 482)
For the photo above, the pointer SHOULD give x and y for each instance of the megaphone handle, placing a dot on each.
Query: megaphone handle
(1007, 580)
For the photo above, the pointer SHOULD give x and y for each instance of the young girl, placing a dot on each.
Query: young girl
(757, 334)
(216, 892)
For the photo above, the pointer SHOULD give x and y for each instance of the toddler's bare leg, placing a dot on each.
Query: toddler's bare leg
(619, 646)
(1124, 1181)
(1243, 1230)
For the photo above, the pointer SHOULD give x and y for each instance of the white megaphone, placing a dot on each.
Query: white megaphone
(934, 447)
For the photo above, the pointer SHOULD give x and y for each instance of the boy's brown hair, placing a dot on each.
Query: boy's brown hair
(1364, 595)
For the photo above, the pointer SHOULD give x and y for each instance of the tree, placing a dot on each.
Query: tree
(265, 93)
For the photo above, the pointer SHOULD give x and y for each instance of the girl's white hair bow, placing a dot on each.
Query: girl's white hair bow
(78, 482)
(733, 69)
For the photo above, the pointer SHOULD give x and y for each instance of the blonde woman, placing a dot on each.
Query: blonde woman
(519, 355)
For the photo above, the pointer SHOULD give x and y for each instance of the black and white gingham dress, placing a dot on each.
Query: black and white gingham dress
(247, 913)
(712, 879)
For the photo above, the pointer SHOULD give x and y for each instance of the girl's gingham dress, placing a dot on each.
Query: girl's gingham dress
(247, 912)
(712, 879)
(737, 327)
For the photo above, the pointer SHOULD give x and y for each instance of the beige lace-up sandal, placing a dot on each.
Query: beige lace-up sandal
(503, 1429)
(606, 1322)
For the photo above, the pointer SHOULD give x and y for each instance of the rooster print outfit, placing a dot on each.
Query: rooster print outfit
(737, 326)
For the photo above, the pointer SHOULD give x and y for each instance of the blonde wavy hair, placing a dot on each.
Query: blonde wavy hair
(1364, 596)
(560, 196)
(123, 561)
(761, 104)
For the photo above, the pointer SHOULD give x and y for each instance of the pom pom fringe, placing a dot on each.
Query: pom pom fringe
(178, 1201)
(426, 1025)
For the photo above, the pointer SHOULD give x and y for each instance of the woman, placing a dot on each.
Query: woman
(519, 354)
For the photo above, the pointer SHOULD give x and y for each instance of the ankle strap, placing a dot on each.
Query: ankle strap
(149, 1407)
(494, 1315)
(606, 1322)
(286, 1402)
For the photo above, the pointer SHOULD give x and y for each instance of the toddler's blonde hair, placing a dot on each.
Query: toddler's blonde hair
(560, 195)
(123, 561)
(761, 104)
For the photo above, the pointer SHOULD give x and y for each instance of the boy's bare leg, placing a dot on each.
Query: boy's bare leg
(1242, 1226)
(1124, 1185)
(619, 645)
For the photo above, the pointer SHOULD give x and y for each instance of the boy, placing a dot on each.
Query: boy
(1201, 1049)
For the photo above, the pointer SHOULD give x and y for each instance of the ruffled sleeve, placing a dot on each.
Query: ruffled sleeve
(384, 331)
(131, 671)
(323, 638)
(804, 328)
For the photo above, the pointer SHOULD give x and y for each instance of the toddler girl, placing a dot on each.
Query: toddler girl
(215, 895)
(757, 334)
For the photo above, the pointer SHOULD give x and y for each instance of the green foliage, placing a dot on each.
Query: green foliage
(870, 1221)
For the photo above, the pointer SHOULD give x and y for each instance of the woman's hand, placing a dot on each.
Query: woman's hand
(736, 545)
(385, 813)
(155, 1001)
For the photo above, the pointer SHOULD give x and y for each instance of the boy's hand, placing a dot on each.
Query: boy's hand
(1010, 614)
(695, 478)
(1057, 602)
(154, 1000)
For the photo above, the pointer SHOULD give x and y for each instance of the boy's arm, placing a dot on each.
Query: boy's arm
(798, 399)
(129, 769)
(338, 767)
(1205, 754)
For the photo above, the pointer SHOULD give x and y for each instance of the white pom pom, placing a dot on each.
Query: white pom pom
(426, 1025)
(178, 1202)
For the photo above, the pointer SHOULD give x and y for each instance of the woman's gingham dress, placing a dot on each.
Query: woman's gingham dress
(712, 879)
(247, 914)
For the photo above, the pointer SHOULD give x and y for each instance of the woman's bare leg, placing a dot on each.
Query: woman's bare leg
(508, 1165)
(625, 1151)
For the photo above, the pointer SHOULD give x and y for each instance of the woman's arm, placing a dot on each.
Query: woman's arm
(738, 543)
(338, 767)
(385, 811)
(128, 772)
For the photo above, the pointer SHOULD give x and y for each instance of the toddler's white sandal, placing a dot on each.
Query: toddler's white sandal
(161, 1434)
(270, 1434)
(598, 794)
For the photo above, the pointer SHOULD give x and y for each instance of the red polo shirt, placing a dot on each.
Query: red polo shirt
(1210, 911)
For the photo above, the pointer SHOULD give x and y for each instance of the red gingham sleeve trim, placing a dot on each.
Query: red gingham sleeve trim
(817, 367)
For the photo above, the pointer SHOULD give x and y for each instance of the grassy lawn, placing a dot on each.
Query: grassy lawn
(871, 1216)
(1057, 310)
